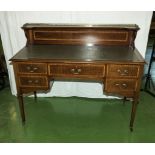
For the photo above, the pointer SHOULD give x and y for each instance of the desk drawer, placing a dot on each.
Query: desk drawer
(32, 68)
(33, 81)
(123, 70)
(77, 70)
(117, 85)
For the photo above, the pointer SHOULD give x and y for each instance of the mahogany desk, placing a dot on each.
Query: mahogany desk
(102, 53)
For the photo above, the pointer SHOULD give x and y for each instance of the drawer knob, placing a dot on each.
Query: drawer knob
(123, 73)
(79, 70)
(126, 71)
(31, 69)
(28, 68)
(76, 71)
(124, 85)
(72, 70)
(35, 68)
(117, 84)
(36, 81)
(118, 70)
(29, 81)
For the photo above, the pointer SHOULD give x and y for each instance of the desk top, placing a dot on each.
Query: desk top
(65, 25)
(78, 53)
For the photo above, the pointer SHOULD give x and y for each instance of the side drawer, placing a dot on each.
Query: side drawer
(117, 85)
(114, 70)
(32, 68)
(33, 81)
(82, 70)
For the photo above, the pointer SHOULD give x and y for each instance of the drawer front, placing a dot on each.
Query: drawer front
(123, 70)
(77, 70)
(117, 85)
(32, 68)
(33, 81)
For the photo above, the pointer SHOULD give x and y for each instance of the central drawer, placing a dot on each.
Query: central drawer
(75, 70)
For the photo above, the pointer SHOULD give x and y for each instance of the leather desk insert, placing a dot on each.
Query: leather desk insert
(101, 53)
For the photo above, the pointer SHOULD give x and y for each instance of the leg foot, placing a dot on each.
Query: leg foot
(131, 129)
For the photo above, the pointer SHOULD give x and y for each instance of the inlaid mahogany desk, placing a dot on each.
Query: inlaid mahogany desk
(102, 53)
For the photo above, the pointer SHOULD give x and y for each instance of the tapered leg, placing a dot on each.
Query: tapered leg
(133, 113)
(21, 106)
(35, 95)
(124, 99)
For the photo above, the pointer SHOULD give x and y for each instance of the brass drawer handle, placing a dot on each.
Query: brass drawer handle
(31, 81)
(36, 81)
(28, 68)
(35, 68)
(72, 70)
(123, 85)
(76, 71)
(31, 69)
(79, 70)
(118, 70)
(126, 71)
(117, 84)
(123, 73)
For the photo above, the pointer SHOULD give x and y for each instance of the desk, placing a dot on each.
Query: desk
(103, 53)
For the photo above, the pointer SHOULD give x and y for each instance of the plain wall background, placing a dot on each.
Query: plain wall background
(13, 39)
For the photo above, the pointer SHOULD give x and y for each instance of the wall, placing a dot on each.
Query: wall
(13, 39)
(1, 48)
(147, 59)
